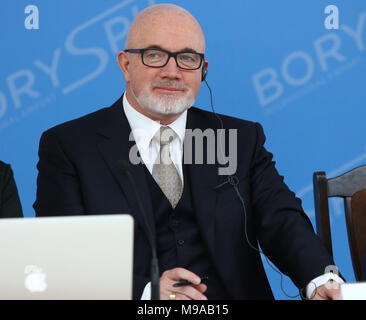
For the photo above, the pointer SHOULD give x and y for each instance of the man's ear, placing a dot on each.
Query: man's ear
(124, 62)
(204, 70)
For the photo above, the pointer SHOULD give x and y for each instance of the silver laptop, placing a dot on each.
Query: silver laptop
(79, 257)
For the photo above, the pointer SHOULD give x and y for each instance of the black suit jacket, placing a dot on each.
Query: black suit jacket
(78, 175)
(10, 206)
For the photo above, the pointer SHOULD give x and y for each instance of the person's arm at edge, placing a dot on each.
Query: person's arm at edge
(10, 206)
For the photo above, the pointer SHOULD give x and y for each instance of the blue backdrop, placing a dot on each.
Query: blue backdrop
(270, 61)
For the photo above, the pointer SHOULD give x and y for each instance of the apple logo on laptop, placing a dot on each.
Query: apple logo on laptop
(35, 281)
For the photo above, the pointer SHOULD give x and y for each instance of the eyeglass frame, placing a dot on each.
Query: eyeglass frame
(170, 54)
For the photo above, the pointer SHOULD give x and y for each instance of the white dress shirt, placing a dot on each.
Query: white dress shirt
(144, 129)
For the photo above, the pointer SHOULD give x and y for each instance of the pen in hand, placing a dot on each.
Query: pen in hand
(183, 282)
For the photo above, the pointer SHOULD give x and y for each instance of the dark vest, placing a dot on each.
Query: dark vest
(179, 242)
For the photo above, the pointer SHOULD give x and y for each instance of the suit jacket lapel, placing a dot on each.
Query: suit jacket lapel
(113, 142)
(114, 145)
(204, 179)
(205, 185)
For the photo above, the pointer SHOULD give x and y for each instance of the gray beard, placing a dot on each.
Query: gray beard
(166, 104)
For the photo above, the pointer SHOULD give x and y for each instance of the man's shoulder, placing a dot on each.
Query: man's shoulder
(78, 132)
(88, 123)
(82, 123)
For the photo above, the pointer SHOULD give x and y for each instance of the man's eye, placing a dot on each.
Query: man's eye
(186, 58)
(153, 55)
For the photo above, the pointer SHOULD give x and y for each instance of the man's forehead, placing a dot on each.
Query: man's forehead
(169, 38)
(168, 30)
(182, 49)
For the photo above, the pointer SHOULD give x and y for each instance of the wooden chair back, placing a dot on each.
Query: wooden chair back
(351, 186)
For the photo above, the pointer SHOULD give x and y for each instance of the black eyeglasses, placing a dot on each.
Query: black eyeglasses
(158, 58)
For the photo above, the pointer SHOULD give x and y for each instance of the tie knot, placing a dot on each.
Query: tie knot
(165, 135)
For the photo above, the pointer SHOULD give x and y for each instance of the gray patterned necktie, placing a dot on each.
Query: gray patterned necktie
(164, 172)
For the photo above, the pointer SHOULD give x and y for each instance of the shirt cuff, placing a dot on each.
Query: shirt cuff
(319, 281)
(146, 294)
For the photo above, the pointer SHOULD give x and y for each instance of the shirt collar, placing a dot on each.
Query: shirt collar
(144, 128)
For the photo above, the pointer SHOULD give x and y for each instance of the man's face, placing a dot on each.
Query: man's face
(160, 92)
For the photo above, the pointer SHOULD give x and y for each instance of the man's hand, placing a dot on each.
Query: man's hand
(189, 292)
(328, 291)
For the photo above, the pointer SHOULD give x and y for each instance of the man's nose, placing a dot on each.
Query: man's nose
(171, 70)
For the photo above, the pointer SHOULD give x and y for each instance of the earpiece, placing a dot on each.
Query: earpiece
(204, 72)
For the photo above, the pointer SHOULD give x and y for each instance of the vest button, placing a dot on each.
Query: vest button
(180, 242)
(174, 223)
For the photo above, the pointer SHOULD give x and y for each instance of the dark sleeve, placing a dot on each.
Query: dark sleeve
(10, 206)
(284, 231)
(139, 284)
(58, 184)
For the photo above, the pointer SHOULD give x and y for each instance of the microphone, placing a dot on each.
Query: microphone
(124, 167)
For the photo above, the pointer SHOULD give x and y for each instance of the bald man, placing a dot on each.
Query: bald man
(196, 215)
